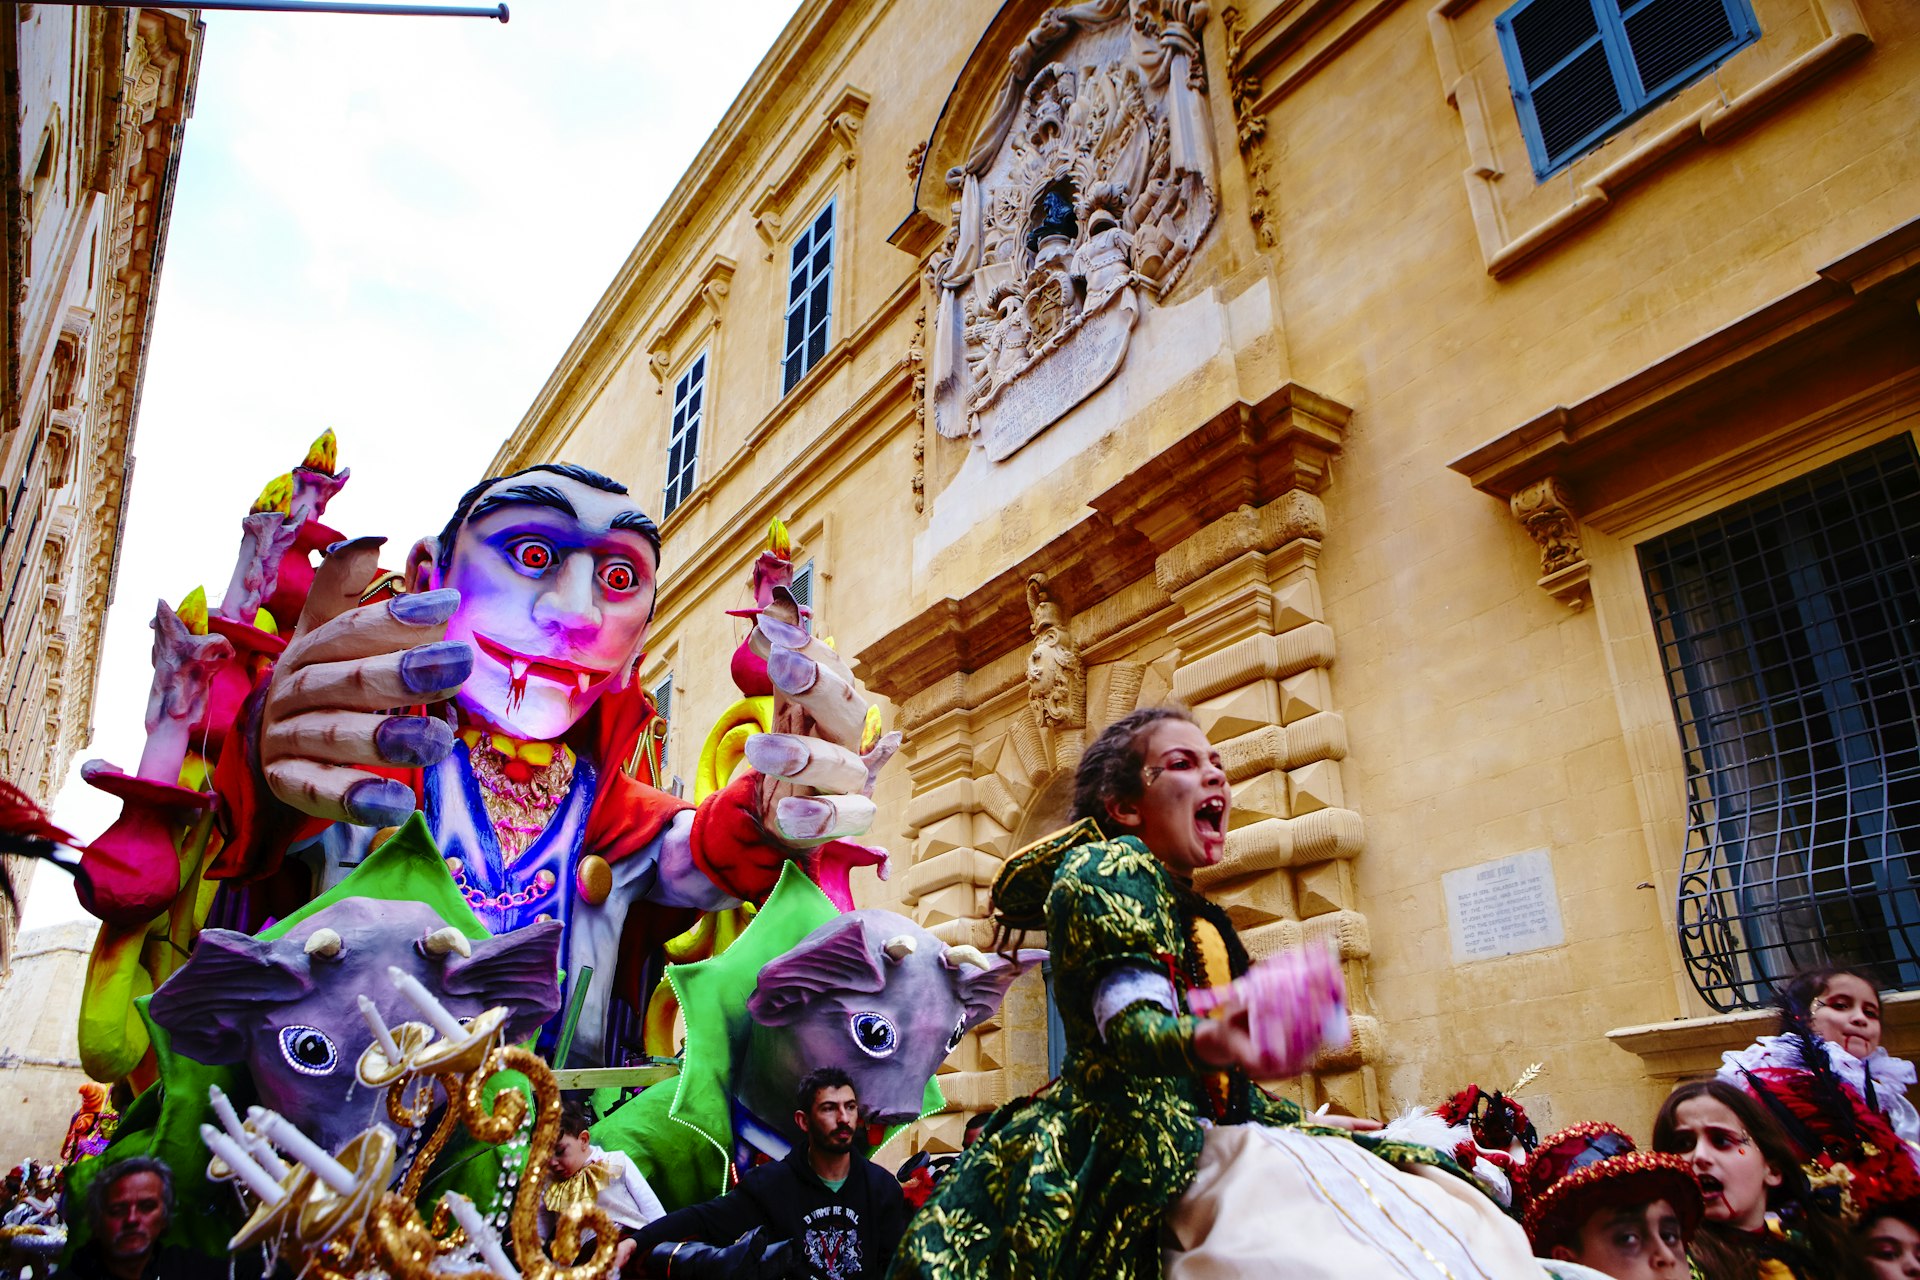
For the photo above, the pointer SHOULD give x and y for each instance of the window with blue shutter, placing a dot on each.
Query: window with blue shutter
(1579, 69)
(802, 586)
(809, 299)
(683, 440)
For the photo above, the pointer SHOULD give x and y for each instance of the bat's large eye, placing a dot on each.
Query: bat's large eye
(874, 1034)
(308, 1050)
(959, 1030)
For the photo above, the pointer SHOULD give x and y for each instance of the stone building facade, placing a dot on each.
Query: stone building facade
(94, 106)
(1516, 487)
(40, 1073)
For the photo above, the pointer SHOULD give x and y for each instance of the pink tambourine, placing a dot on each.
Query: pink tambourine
(1296, 1005)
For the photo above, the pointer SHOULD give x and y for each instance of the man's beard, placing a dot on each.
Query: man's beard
(833, 1140)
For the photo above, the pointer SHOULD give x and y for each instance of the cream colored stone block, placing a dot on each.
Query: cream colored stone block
(1297, 603)
(952, 832)
(1242, 711)
(956, 866)
(1257, 900)
(1265, 940)
(1346, 931)
(1258, 846)
(991, 837)
(1256, 752)
(1304, 694)
(1258, 799)
(954, 902)
(1325, 888)
(1314, 787)
(944, 801)
(1317, 737)
(966, 931)
(1350, 1092)
(996, 799)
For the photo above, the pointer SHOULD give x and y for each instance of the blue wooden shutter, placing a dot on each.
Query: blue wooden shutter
(1579, 69)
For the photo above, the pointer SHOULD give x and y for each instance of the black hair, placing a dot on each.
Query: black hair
(978, 1120)
(114, 1174)
(1110, 769)
(817, 1079)
(1803, 988)
(575, 1116)
(643, 526)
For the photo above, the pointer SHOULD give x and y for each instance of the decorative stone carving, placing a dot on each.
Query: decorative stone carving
(1545, 510)
(1082, 198)
(1056, 677)
(1251, 129)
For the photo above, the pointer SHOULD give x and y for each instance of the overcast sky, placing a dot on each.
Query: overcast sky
(392, 227)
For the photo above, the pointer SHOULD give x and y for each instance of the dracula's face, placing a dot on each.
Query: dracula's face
(555, 596)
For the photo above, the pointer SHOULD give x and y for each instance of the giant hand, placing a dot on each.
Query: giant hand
(821, 763)
(326, 716)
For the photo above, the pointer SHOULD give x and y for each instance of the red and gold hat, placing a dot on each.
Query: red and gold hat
(1595, 1166)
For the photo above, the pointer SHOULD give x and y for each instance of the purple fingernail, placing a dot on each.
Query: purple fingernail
(333, 548)
(802, 818)
(792, 672)
(425, 608)
(416, 741)
(779, 755)
(784, 634)
(432, 668)
(379, 802)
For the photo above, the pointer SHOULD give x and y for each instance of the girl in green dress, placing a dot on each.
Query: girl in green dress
(1153, 1148)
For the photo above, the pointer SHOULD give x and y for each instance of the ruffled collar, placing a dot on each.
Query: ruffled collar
(1890, 1074)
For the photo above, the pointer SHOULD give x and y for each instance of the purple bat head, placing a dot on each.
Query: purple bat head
(873, 993)
(289, 1010)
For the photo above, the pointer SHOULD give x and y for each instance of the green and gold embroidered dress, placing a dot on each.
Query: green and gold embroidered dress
(1076, 1180)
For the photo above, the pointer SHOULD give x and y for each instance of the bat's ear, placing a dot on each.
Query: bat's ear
(423, 565)
(835, 957)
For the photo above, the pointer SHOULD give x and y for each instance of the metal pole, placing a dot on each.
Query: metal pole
(498, 11)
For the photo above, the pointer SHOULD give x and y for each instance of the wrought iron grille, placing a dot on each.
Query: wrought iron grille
(1789, 628)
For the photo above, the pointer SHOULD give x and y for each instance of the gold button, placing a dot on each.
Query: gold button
(594, 879)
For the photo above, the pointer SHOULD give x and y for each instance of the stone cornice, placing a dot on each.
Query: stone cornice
(145, 170)
(1243, 458)
(1869, 292)
(755, 131)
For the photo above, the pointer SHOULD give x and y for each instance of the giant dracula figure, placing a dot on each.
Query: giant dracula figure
(511, 642)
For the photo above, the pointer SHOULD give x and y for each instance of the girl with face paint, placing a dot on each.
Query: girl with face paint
(1153, 1153)
(1757, 1220)
(1847, 1096)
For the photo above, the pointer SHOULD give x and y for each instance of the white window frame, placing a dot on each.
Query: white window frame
(685, 424)
(804, 267)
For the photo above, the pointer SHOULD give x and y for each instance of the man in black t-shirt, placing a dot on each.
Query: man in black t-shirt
(842, 1215)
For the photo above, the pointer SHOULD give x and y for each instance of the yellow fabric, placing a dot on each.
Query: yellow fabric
(583, 1188)
(1213, 953)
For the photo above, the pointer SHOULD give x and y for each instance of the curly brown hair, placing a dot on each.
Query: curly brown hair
(1112, 768)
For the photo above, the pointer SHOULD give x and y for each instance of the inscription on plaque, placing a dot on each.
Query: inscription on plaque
(1057, 381)
(1504, 907)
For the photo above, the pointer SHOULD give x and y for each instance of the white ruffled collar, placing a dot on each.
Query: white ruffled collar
(1890, 1074)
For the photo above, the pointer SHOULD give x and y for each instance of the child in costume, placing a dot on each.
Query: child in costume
(1835, 1089)
(1891, 1241)
(1591, 1198)
(1154, 1132)
(585, 1174)
(1756, 1219)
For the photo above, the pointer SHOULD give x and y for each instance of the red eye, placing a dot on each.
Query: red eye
(533, 555)
(619, 577)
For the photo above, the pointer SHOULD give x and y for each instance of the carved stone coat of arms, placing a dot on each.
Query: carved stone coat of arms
(1081, 200)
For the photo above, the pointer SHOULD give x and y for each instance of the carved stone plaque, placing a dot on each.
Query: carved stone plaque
(1082, 199)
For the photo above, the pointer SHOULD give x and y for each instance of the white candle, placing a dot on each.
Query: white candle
(381, 1036)
(262, 1150)
(482, 1235)
(243, 1167)
(224, 1109)
(283, 1132)
(443, 1022)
